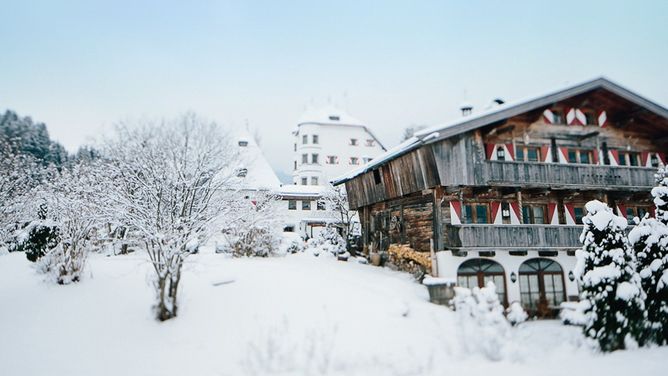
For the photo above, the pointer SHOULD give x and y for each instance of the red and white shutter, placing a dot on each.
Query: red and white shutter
(515, 213)
(563, 155)
(580, 118)
(552, 215)
(546, 153)
(621, 209)
(645, 160)
(489, 152)
(614, 157)
(570, 117)
(497, 218)
(569, 213)
(510, 152)
(663, 158)
(602, 119)
(455, 212)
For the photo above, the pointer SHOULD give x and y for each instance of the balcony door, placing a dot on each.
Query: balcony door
(477, 272)
(541, 286)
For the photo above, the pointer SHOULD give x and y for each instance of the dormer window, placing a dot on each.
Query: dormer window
(332, 159)
(353, 142)
(334, 118)
(354, 161)
(500, 154)
(242, 172)
(243, 143)
(370, 142)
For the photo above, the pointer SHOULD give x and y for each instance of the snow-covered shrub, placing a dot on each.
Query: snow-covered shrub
(255, 230)
(516, 314)
(328, 242)
(292, 242)
(484, 327)
(573, 313)
(610, 283)
(650, 242)
(37, 238)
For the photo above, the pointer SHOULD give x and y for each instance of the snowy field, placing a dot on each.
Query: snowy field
(292, 315)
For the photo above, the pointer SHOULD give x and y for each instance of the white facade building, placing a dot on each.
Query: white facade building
(328, 143)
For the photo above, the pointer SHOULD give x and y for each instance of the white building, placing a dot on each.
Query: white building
(253, 172)
(302, 212)
(328, 143)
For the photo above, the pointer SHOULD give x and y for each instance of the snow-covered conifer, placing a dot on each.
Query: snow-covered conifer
(606, 268)
(650, 242)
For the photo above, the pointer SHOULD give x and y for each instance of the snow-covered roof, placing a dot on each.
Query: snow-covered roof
(259, 174)
(328, 115)
(289, 190)
(498, 113)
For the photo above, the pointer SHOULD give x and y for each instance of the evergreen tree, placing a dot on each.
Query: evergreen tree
(606, 268)
(650, 243)
(29, 138)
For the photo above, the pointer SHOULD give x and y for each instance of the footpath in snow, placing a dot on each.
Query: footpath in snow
(289, 315)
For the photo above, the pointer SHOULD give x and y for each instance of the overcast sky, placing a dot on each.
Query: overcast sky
(79, 66)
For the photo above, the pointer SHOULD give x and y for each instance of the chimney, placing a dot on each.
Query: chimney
(466, 108)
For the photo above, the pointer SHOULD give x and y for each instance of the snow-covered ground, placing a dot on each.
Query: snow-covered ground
(291, 315)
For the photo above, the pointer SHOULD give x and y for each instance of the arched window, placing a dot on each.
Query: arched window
(541, 286)
(477, 272)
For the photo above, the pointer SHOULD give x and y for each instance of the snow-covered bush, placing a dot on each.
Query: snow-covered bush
(329, 242)
(650, 242)
(37, 238)
(606, 269)
(573, 313)
(292, 242)
(484, 328)
(255, 229)
(516, 314)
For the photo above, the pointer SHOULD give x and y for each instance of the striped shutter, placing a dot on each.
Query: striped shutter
(497, 219)
(510, 151)
(595, 156)
(602, 119)
(663, 158)
(455, 212)
(569, 213)
(580, 118)
(548, 117)
(621, 209)
(489, 152)
(552, 215)
(570, 117)
(563, 155)
(546, 153)
(644, 159)
(515, 213)
(614, 157)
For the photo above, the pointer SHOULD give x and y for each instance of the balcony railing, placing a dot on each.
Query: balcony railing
(557, 175)
(512, 236)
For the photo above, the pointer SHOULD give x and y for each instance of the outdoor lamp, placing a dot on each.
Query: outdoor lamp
(513, 277)
(571, 276)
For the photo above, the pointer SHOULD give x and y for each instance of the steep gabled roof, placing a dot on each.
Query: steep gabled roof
(499, 113)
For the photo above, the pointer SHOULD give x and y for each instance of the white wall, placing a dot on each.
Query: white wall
(334, 139)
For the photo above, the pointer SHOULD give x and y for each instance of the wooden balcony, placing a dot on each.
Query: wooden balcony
(566, 176)
(523, 237)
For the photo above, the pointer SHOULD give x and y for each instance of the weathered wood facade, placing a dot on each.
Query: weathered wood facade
(501, 195)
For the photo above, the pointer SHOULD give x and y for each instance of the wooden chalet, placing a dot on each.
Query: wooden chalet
(501, 193)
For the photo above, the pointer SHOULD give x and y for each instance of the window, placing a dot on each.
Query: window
(314, 158)
(304, 139)
(629, 158)
(354, 161)
(304, 181)
(295, 166)
(505, 213)
(295, 146)
(243, 143)
(590, 118)
(292, 204)
(582, 156)
(304, 158)
(370, 142)
(475, 213)
(579, 212)
(367, 159)
(320, 205)
(315, 138)
(557, 117)
(635, 211)
(314, 180)
(541, 286)
(500, 154)
(477, 272)
(332, 159)
(334, 118)
(242, 172)
(528, 153)
(306, 205)
(654, 160)
(353, 141)
(376, 176)
(533, 214)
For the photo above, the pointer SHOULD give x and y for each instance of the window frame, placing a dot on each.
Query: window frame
(579, 152)
(522, 153)
(304, 180)
(315, 139)
(292, 204)
(530, 209)
(314, 158)
(314, 180)
(306, 204)
(305, 139)
(354, 161)
(474, 214)
(353, 142)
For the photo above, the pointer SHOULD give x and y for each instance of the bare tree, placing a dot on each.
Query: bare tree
(411, 130)
(173, 179)
(336, 200)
